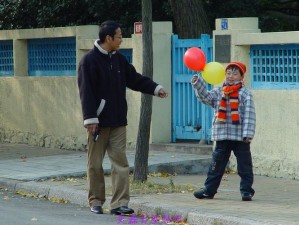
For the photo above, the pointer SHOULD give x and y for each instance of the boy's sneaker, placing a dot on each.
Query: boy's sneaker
(201, 194)
(247, 196)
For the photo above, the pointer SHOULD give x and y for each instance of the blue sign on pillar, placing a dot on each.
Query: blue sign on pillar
(224, 24)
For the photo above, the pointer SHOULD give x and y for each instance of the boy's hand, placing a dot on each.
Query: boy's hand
(194, 79)
(247, 140)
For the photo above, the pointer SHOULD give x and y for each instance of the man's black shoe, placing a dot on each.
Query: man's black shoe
(96, 209)
(123, 210)
(247, 196)
(201, 194)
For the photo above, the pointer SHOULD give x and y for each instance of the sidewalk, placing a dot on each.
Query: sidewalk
(28, 168)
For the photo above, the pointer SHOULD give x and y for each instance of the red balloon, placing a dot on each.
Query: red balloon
(195, 59)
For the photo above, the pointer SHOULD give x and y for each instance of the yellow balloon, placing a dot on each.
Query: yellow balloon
(213, 73)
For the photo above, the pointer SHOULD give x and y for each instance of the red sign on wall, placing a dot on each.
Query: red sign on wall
(138, 28)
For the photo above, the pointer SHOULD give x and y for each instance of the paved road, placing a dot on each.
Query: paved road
(17, 210)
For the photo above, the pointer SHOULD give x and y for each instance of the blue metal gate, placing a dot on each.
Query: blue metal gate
(191, 120)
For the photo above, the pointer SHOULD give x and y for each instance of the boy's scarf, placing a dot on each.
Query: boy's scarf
(232, 93)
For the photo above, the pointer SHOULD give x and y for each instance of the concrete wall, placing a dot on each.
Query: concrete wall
(46, 111)
(275, 146)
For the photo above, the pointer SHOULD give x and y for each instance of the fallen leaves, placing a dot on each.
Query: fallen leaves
(27, 194)
(166, 184)
(38, 196)
(74, 180)
(68, 179)
(58, 200)
(161, 175)
(23, 158)
(153, 219)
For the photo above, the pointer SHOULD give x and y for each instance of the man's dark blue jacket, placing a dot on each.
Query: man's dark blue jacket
(105, 76)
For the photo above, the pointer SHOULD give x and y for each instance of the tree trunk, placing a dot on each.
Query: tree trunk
(190, 18)
(142, 146)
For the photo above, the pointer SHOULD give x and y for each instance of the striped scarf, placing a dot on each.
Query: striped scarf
(232, 93)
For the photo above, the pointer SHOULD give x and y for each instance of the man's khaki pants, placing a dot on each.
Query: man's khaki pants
(112, 140)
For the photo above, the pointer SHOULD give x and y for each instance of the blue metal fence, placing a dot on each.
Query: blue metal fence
(191, 120)
(6, 58)
(52, 57)
(275, 66)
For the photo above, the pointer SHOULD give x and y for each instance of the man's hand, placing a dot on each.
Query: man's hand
(162, 93)
(91, 128)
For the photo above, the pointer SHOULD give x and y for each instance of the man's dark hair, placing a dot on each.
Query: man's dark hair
(108, 28)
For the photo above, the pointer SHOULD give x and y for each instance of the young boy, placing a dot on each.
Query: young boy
(233, 128)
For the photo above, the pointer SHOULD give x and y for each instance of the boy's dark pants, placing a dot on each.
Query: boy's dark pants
(220, 159)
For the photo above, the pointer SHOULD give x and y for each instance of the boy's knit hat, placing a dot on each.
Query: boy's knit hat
(240, 65)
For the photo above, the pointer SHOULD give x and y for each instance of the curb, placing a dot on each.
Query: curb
(79, 197)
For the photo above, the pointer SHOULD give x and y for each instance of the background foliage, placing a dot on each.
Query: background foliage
(274, 15)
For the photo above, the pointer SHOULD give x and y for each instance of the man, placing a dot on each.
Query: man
(103, 76)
